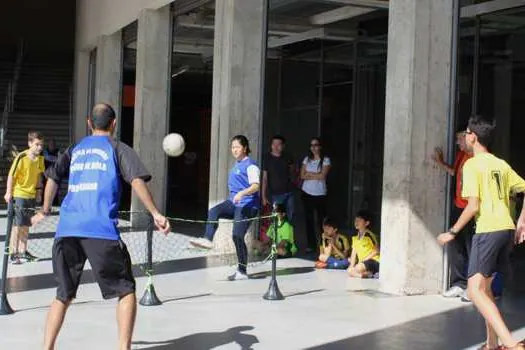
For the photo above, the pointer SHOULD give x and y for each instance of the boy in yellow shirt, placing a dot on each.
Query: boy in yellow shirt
(364, 260)
(334, 249)
(487, 183)
(22, 183)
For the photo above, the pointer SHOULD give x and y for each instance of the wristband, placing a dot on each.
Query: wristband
(452, 232)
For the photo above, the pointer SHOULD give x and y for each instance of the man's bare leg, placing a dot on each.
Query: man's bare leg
(55, 318)
(477, 285)
(126, 314)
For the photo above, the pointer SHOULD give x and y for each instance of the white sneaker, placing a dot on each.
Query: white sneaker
(238, 276)
(201, 243)
(464, 297)
(454, 292)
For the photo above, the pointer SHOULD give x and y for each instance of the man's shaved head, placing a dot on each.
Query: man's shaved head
(102, 117)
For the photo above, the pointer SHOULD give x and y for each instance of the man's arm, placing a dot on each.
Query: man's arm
(142, 191)
(49, 195)
(438, 159)
(467, 214)
(264, 187)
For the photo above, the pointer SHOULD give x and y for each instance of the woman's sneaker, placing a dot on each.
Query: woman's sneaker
(201, 243)
(238, 276)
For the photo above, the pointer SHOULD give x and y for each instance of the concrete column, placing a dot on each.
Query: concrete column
(237, 68)
(502, 108)
(80, 94)
(413, 205)
(154, 50)
(109, 71)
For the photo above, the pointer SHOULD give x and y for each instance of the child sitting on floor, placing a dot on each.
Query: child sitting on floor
(285, 236)
(334, 247)
(364, 260)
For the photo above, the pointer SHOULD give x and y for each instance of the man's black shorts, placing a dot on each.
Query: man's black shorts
(110, 263)
(371, 265)
(490, 252)
(23, 211)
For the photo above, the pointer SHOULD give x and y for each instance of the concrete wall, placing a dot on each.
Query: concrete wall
(104, 17)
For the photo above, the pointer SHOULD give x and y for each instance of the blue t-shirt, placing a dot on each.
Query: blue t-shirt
(238, 181)
(95, 167)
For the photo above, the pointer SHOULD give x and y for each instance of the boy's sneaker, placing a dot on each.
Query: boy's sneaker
(29, 257)
(201, 243)
(238, 276)
(320, 265)
(15, 259)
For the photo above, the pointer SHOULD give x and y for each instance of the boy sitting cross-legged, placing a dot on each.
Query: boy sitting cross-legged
(364, 260)
(334, 247)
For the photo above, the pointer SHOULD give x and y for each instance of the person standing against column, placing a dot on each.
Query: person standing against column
(314, 171)
(459, 249)
(277, 185)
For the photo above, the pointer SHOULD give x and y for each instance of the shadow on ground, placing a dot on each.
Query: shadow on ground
(453, 330)
(205, 341)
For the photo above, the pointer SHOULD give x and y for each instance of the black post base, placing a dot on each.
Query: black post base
(5, 308)
(273, 292)
(150, 297)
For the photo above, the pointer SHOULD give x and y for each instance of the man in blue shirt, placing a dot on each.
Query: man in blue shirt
(87, 228)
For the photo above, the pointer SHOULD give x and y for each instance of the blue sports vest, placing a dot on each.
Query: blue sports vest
(90, 208)
(238, 181)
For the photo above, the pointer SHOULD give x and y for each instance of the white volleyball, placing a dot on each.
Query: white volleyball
(173, 144)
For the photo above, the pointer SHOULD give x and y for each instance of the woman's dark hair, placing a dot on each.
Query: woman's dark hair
(321, 154)
(243, 141)
(483, 129)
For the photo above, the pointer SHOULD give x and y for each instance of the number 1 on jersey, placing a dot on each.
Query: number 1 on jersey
(496, 175)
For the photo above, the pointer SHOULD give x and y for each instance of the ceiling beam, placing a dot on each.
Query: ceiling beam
(376, 4)
(339, 14)
(318, 33)
(185, 6)
(489, 7)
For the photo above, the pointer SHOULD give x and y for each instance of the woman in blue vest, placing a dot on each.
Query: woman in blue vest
(242, 203)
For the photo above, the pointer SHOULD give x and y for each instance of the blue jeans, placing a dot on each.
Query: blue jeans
(288, 201)
(228, 210)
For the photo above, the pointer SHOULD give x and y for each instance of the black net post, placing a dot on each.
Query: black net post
(5, 308)
(150, 297)
(273, 292)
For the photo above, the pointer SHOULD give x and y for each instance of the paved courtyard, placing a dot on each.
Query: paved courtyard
(201, 310)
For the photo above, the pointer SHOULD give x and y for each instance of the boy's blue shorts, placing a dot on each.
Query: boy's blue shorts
(333, 263)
